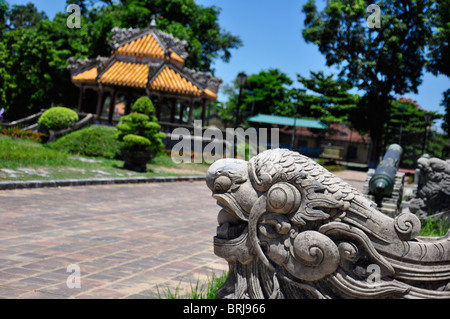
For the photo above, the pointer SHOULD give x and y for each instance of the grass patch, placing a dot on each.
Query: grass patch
(29, 160)
(435, 227)
(16, 153)
(196, 291)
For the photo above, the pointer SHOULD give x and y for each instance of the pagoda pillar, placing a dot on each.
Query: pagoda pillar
(204, 111)
(159, 106)
(100, 102)
(191, 110)
(128, 103)
(112, 105)
(173, 110)
(182, 106)
(81, 98)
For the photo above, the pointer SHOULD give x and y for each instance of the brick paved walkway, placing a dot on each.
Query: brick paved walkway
(127, 240)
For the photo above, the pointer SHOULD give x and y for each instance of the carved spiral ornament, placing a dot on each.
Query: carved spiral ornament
(314, 256)
(407, 226)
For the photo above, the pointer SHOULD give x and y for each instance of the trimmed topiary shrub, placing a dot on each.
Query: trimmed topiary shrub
(136, 143)
(98, 141)
(141, 135)
(142, 122)
(57, 118)
(143, 105)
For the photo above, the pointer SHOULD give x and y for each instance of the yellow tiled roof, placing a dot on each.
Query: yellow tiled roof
(136, 75)
(147, 46)
(171, 81)
(86, 76)
(126, 74)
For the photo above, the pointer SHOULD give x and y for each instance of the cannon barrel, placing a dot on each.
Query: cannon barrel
(382, 181)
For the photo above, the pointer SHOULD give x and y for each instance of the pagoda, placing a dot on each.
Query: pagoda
(145, 62)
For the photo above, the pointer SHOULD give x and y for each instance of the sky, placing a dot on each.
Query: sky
(271, 32)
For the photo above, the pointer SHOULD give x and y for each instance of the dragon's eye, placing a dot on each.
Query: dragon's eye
(222, 184)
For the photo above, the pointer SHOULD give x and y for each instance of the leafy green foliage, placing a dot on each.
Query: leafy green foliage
(37, 68)
(266, 92)
(439, 50)
(185, 19)
(331, 101)
(99, 141)
(143, 105)
(406, 125)
(4, 8)
(25, 16)
(57, 118)
(270, 92)
(136, 143)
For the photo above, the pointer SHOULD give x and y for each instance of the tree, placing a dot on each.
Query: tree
(185, 19)
(4, 8)
(5, 77)
(331, 102)
(406, 126)
(382, 62)
(37, 68)
(25, 16)
(266, 92)
(439, 52)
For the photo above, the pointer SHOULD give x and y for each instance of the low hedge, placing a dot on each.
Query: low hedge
(91, 141)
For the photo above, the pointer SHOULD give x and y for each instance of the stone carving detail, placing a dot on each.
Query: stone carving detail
(121, 36)
(204, 79)
(290, 229)
(77, 66)
(177, 45)
(433, 191)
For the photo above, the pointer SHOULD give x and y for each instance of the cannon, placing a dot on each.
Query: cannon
(384, 185)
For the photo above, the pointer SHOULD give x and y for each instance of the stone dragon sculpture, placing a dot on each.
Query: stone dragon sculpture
(433, 192)
(291, 229)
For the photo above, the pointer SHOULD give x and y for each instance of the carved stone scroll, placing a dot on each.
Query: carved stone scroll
(290, 229)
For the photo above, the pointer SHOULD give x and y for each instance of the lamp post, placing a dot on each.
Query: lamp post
(427, 118)
(295, 117)
(242, 77)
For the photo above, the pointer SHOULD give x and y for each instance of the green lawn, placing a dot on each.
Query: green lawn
(28, 160)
